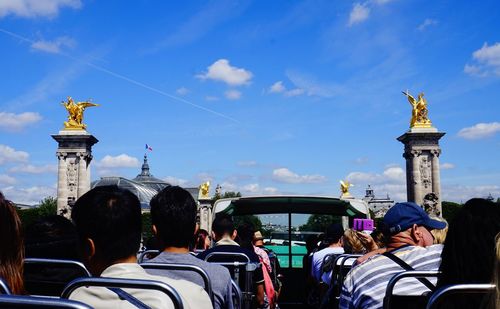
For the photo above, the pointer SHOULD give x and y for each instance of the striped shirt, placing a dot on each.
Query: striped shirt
(365, 285)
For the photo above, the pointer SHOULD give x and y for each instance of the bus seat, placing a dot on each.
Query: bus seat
(48, 277)
(124, 283)
(406, 301)
(4, 287)
(16, 301)
(464, 290)
(147, 255)
(184, 267)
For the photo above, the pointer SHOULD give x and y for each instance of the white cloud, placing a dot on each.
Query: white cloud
(55, 46)
(392, 174)
(447, 166)
(361, 160)
(427, 23)
(309, 85)
(30, 196)
(175, 181)
(286, 176)
(16, 122)
(36, 8)
(7, 180)
(480, 130)
(294, 92)
(34, 169)
(232, 94)
(203, 177)
(182, 91)
(487, 60)
(221, 70)
(461, 193)
(119, 161)
(277, 87)
(359, 13)
(8, 154)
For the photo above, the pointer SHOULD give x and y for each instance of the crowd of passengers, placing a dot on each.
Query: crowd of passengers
(105, 234)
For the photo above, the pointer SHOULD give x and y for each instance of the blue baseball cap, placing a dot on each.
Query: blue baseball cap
(402, 216)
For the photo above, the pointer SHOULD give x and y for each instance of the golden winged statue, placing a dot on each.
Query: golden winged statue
(419, 113)
(204, 190)
(75, 114)
(344, 188)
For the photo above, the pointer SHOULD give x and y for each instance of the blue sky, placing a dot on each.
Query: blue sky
(264, 97)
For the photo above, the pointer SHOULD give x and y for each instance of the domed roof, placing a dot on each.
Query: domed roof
(149, 180)
(143, 193)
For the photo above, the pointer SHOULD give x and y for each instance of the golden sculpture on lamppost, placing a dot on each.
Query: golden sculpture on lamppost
(419, 113)
(204, 190)
(344, 189)
(75, 114)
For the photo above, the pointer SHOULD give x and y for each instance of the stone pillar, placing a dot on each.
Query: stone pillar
(205, 211)
(74, 154)
(422, 167)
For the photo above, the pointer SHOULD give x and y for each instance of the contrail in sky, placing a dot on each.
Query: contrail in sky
(125, 78)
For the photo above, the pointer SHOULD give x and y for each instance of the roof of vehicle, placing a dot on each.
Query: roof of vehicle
(291, 204)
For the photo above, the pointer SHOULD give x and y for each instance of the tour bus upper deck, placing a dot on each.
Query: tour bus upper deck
(289, 214)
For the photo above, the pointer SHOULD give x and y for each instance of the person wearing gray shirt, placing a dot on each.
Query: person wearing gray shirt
(173, 215)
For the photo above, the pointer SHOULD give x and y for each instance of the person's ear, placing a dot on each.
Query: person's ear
(89, 249)
(235, 233)
(154, 230)
(196, 228)
(416, 233)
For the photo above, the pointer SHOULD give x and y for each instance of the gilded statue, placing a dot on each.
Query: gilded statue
(344, 188)
(75, 114)
(204, 190)
(419, 113)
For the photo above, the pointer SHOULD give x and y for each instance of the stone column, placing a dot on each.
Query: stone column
(422, 167)
(205, 211)
(74, 154)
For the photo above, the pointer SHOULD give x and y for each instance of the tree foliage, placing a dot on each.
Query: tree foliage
(319, 223)
(449, 210)
(47, 207)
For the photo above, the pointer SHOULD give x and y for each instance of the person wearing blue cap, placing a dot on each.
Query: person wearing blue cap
(409, 247)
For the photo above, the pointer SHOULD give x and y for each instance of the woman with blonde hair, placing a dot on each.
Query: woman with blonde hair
(11, 247)
(439, 235)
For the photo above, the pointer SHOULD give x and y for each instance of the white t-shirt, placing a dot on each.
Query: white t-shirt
(317, 263)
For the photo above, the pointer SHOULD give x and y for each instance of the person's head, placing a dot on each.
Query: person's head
(258, 240)
(379, 238)
(333, 234)
(11, 246)
(223, 226)
(408, 223)
(173, 214)
(469, 250)
(439, 234)
(108, 224)
(351, 242)
(51, 237)
(311, 242)
(201, 240)
(246, 231)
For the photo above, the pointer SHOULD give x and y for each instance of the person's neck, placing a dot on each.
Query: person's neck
(335, 245)
(176, 249)
(97, 267)
(400, 240)
(130, 259)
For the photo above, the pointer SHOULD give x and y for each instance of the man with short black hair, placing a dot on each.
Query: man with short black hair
(108, 224)
(410, 246)
(173, 214)
(333, 238)
(224, 233)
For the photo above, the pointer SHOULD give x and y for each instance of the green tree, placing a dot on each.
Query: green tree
(146, 226)
(47, 207)
(319, 223)
(450, 209)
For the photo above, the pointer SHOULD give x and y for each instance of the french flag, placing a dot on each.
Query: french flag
(149, 147)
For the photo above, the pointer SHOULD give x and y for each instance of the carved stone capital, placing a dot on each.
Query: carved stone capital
(61, 155)
(436, 152)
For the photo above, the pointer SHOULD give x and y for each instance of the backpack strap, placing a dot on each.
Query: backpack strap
(131, 299)
(405, 266)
